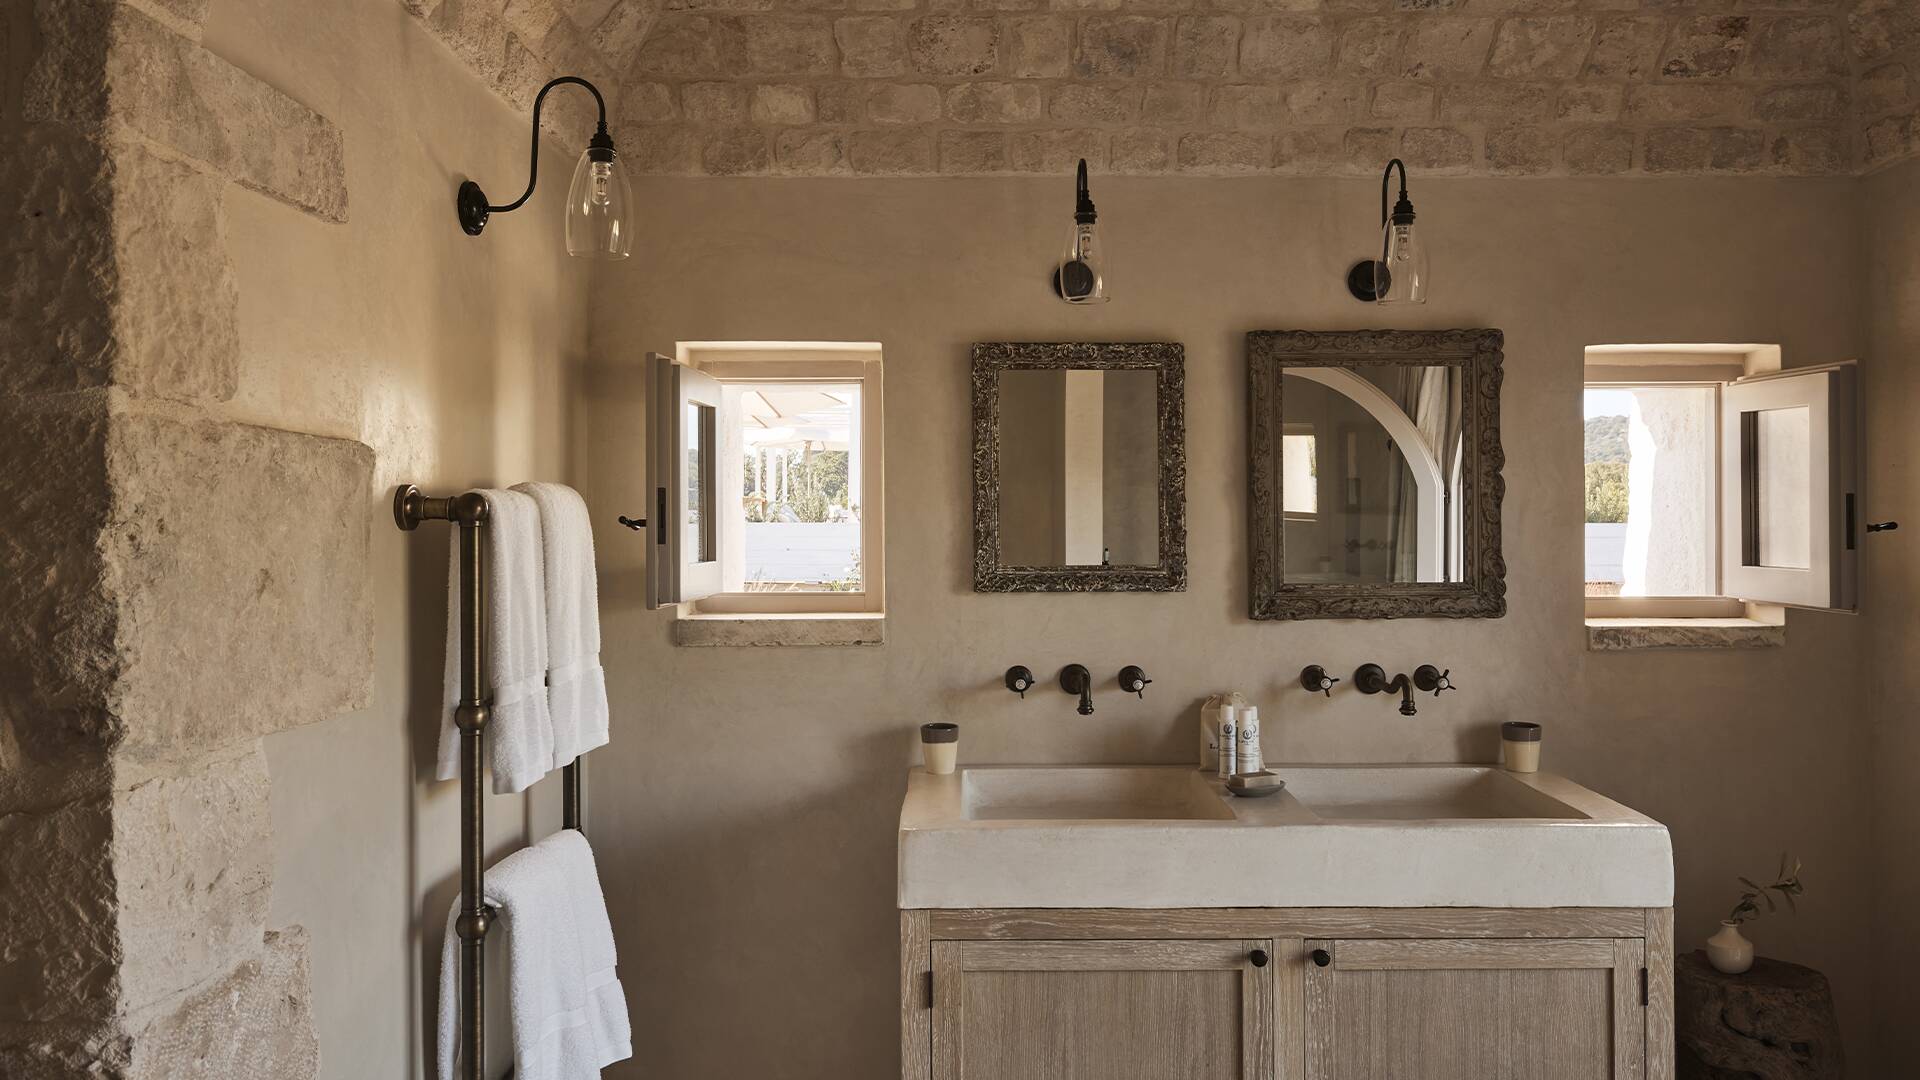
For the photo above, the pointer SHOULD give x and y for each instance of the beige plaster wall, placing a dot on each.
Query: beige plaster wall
(1891, 228)
(454, 359)
(756, 921)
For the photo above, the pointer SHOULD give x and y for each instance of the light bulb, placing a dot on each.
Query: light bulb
(602, 183)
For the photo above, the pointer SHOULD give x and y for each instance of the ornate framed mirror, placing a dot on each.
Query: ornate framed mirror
(1079, 467)
(1374, 474)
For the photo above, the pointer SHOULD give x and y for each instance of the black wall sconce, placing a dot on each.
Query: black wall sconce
(598, 225)
(1399, 275)
(1080, 275)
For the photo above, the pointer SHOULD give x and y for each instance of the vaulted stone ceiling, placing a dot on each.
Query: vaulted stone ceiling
(1516, 87)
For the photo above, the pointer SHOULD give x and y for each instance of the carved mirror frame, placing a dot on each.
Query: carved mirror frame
(1168, 362)
(1483, 593)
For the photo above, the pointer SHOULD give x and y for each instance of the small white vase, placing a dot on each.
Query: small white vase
(1729, 950)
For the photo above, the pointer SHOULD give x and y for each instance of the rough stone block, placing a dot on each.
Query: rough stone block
(1891, 138)
(57, 310)
(811, 153)
(1140, 152)
(780, 45)
(1172, 103)
(1801, 102)
(1717, 149)
(530, 20)
(839, 103)
(1223, 152)
(891, 153)
(1436, 148)
(1369, 145)
(906, 103)
(735, 151)
(1204, 46)
(1080, 103)
(1708, 47)
(1403, 101)
(973, 152)
(1446, 48)
(1121, 47)
(1056, 151)
(1688, 101)
(994, 103)
(667, 150)
(1521, 150)
(622, 31)
(258, 1022)
(1600, 102)
(1035, 47)
(1817, 151)
(1626, 48)
(1496, 102)
(1369, 47)
(1287, 46)
(1326, 102)
(1310, 152)
(871, 46)
(691, 46)
(1597, 152)
(1885, 88)
(58, 949)
(714, 102)
(648, 103)
(231, 548)
(1544, 47)
(1883, 27)
(1798, 47)
(783, 103)
(1257, 107)
(63, 1051)
(953, 45)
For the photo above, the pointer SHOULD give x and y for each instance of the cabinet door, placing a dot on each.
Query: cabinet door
(1103, 1010)
(1550, 1009)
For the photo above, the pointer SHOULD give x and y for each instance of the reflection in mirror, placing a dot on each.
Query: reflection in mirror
(1079, 468)
(1370, 473)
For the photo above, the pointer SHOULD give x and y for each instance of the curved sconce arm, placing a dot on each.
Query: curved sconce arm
(473, 205)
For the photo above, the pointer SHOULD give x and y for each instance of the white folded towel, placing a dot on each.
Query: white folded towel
(569, 1011)
(519, 730)
(576, 685)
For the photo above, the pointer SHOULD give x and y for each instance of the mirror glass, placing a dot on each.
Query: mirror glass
(1079, 468)
(1370, 473)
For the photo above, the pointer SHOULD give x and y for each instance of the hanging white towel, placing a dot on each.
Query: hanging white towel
(576, 684)
(568, 1008)
(519, 732)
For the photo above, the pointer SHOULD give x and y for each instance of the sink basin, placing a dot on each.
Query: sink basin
(1169, 836)
(1090, 794)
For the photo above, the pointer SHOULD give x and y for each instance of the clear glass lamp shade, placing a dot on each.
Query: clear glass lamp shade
(1080, 277)
(1402, 277)
(599, 210)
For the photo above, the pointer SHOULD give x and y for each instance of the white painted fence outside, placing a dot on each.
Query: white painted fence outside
(801, 551)
(1606, 552)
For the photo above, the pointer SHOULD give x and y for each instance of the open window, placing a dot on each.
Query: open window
(765, 473)
(1715, 482)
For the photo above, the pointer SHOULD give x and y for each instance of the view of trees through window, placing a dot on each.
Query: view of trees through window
(1606, 469)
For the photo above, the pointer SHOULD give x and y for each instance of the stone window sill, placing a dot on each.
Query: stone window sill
(1621, 635)
(762, 631)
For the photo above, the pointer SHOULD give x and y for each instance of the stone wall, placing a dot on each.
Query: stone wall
(160, 564)
(1886, 47)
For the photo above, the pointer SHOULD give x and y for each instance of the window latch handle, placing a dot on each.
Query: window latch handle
(636, 524)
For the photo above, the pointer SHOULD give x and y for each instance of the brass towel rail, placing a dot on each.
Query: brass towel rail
(470, 512)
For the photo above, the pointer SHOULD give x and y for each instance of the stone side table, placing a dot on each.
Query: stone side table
(1774, 1022)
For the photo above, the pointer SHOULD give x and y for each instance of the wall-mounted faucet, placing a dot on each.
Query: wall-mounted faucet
(1133, 679)
(1316, 680)
(1019, 679)
(1372, 679)
(1076, 679)
(1430, 678)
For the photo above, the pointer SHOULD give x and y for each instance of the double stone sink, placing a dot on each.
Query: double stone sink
(1337, 836)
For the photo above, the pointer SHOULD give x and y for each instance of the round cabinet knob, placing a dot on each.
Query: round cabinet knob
(1258, 957)
(1321, 958)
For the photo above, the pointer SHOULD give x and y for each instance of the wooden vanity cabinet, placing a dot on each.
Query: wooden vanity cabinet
(1287, 994)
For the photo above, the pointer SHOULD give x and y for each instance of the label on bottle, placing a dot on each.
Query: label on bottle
(1228, 742)
(1250, 757)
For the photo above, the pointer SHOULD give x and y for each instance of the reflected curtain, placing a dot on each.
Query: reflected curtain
(1430, 396)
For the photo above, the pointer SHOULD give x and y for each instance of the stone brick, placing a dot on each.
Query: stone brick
(257, 1022)
(530, 20)
(1446, 48)
(871, 46)
(1056, 151)
(691, 46)
(1287, 46)
(906, 103)
(1121, 47)
(1798, 47)
(1523, 150)
(714, 102)
(952, 45)
(811, 153)
(973, 152)
(57, 309)
(1326, 102)
(839, 103)
(994, 103)
(1369, 47)
(734, 151)
(1094, 104)
(648, 103)
(192, 672)
(1036, 47)
(1265, 6)
(1310, 151)
(1709, 47)
(1592, 104)
(1223, 152)
(1436, 148)
(1205, 45)
(1403, 101)
(1172, 103)
(788, 46)
(1597, 151)
(620, 33)
(1140, 152)
(1257, 107)
(1496, 101)
(1085, 5)
(1546, 47)
(783, 103)
(58, 948)
(1717, 149)
(1688, 101)
(1890, 139)
(1806, 101)
(891, 153)
(1626, 48)
(1820, 151)
(667, 149)
(1884, 88)
(1369, 146)
(1883, 27)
